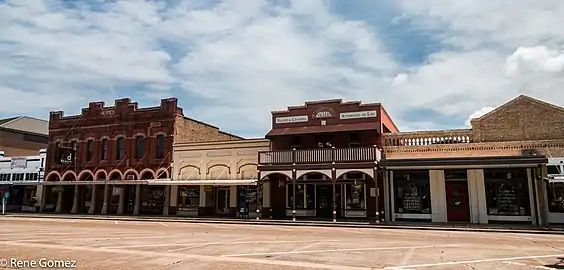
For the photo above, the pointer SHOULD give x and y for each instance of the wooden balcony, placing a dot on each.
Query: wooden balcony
(319, 156)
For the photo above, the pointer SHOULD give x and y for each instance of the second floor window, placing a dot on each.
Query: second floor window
(160, 146)
(120, 148)
(139, 147)
(104, 153)
(90, 150)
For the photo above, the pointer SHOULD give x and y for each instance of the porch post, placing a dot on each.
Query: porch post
(294, 195)
(375, 179)
(334, 182)
(167, 200)
(76, 199)
(294, 173)
(43, 201)
(59, 207)
(259, 195)
(93, 200)
(106, 203)
(137, 202)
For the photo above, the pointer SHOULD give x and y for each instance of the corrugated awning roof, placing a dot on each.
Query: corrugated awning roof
(460, 161)
(323, 129)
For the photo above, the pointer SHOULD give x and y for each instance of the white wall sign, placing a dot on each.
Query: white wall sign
(372, 192)
(19, 162)
(356, 115)
(292, 119)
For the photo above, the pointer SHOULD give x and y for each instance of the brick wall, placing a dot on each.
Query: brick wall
(14, 144)
(188, 130)
(522, 119)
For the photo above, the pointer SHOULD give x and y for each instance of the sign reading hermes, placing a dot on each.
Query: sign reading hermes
(356, 115)
(323, 113)
(292, 119)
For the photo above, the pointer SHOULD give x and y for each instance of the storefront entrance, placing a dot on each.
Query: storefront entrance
(457, 201)
(324, 200)
(222, 200)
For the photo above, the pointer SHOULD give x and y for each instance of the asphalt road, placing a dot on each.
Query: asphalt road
(109, 244)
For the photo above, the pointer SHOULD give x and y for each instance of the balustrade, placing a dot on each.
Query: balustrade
(322, 155)
(428, 138)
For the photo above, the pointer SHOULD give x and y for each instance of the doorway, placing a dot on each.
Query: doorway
(457, 201)
(222, 200)
(324, 203)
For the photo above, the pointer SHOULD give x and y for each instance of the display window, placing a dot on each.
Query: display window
(507, 192)
(412, 192)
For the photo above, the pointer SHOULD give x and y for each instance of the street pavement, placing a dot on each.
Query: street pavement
(138, 244)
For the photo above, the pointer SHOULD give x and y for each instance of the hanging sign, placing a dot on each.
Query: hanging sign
(66, 155)
(292, 119)
(356, 115)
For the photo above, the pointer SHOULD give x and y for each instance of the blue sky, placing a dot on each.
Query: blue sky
(433, 64)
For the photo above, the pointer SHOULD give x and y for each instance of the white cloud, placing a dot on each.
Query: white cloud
(249, 57)
(535, 59)
(477, 114)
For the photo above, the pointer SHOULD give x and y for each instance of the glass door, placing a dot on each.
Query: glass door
(222, 200)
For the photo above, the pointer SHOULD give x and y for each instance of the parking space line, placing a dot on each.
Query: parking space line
(332, 250)
(471, 262)
(222, 243)
(92, 238)
(531, 266)
(190, 256)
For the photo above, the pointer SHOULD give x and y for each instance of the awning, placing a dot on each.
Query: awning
(239, 182)
(20, 183)
(555, 179)
(109, 182)
(323, 129)
(499, 161)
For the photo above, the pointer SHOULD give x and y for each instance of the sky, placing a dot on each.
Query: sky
(432, 64)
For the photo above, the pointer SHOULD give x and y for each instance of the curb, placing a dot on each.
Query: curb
(295, 223)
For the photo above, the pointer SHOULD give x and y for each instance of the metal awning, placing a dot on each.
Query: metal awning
(555, 179)
(230, 182)
(20, 183)
(467, 162)
(109, 182)
(323, 129)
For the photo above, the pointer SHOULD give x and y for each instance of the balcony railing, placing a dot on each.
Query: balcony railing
(317, 156)
(423, 138)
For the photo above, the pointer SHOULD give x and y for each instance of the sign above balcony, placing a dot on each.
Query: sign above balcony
(292, 119)
(357, 115)
(323, 112)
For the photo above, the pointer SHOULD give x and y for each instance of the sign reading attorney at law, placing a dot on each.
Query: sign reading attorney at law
(357, 115)
(292, 119)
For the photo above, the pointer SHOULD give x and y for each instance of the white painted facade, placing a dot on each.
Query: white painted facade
(22, 173)
(555, 190)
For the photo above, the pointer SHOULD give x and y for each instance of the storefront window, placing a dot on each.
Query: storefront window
(188, 198)
(247, 198)
(305, 196)
(412, 192)
(555, 195)
(507, 192)
(354, 196)
(152, 199)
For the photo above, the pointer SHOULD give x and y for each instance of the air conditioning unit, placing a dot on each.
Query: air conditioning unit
(529, 152)
(130, 177)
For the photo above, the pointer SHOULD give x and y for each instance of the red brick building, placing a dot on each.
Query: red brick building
(323, 160)
(117, 150)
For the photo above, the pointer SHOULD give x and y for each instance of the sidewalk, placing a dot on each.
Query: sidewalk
(409, 226)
